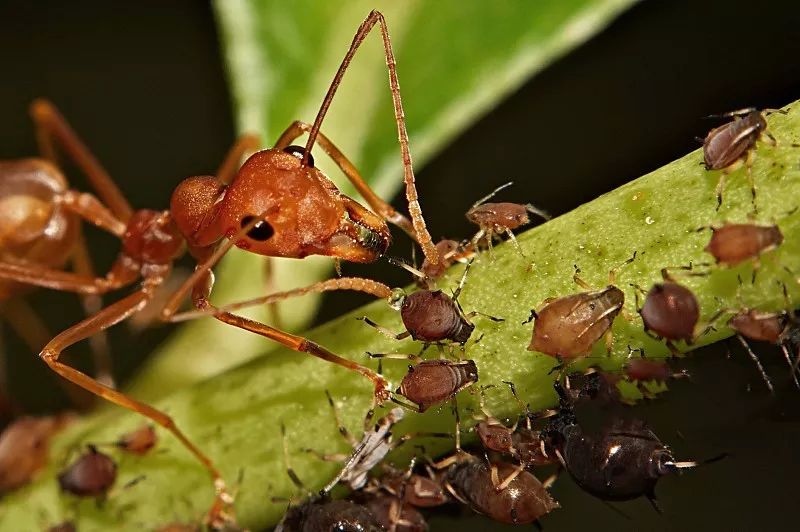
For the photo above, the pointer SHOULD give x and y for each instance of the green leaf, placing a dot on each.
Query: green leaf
(236, 416)
(455, 61)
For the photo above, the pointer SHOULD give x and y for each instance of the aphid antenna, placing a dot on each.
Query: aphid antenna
(491, 194)
(409, 268)
(738, 112)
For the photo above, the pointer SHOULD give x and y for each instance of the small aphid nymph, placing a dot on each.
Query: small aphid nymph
(732, 244)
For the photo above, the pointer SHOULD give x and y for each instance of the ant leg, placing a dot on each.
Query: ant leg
(245, 144)
(92, 304)
(35, 275)
(108, 317)
(51, 127)
(356, 284)
(418, 222)
(30, 328)
(381, 207)
(384, 331)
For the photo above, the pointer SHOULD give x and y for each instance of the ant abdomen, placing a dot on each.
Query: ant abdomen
(433, 316)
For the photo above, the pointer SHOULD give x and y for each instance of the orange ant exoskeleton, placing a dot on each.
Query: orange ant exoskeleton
(495, 219)
(255, 208)
(731, 145)
(91, 475)
(25, 447)
(568, 327)
(40, 230)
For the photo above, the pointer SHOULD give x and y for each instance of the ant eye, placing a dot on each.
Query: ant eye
(299, 151)
(261, 231)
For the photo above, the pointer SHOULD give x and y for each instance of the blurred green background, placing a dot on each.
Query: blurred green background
(144, 85)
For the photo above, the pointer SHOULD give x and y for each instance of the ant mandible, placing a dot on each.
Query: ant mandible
(278, 204)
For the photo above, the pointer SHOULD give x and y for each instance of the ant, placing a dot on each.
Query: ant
(40, 230)
(91, 475)
(25, 446)
(567, 327)
(494, 219)
(623, 461)
(255, 208)
(731, 145)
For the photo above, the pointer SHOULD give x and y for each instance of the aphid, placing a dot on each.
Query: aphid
(624, 460)
(393, 514)
(139, 441)
(495, 219)
(417, 490)
(732, 244)
(730, 146)
(474, 482)
(568, 327)
(255, 208)
(91, 475)
(780, 328)
(430, 382)
(25, 446)
(449, 252)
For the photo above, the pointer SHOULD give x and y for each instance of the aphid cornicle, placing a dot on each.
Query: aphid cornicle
(730, 145)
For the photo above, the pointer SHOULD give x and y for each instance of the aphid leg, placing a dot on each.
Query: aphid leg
(381, 207)
(578, 281)
(748, 165)
(549, 481)
(757, 362)
(473, 313)
(510, 478)
(476, 240)
(532, 316)
(52, 129)
(289, 469)
(723, 179)
(384, 331)
(514, 242)
(463, 280)
(792, 365)
(454, 403)
(612, 273)
(396, 356)
(421, 232)
(326, 457)
(609, 339)
(339, 425)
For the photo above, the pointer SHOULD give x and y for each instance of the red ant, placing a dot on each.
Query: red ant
(731, 145)
(494, 219)
(257, 209)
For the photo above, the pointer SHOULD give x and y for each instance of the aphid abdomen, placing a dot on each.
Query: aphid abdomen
(91, 475)
(733, 244)
(729, 142)
(523, 501)
(759, 326)
(432, 316)
(671, 311)
(434, 381)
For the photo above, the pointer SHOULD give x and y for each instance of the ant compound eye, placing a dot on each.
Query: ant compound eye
(299, 151)
(261, 231)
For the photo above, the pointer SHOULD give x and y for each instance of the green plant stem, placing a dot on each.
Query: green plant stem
(236, 416)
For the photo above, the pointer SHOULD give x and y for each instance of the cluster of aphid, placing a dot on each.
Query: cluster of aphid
(278, 204)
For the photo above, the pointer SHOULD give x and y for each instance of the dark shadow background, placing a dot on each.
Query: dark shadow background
(143, 84)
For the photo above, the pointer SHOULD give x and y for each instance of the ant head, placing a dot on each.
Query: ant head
(303, 212)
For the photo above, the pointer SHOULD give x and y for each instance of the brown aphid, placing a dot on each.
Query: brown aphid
(434, 381)
(730, 145)
(643, 369)
(732, 244)
(417, 490)
(523, 500)
(139, 441)
(433, 316)
(393, 514)
(24, 448)
(671, 312)
(277, 204)
(324, 515)
(495, 219)
(449, 252)
(569, 326)
(91, 475)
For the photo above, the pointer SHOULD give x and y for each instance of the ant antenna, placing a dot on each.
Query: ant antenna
(418, 222)
(491, 194)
